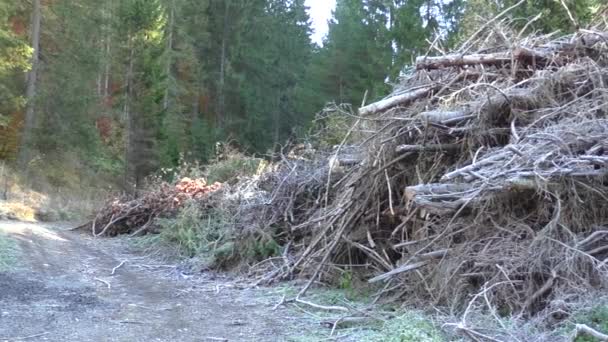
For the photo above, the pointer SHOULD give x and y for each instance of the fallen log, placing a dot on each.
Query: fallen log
(397, 100)
(538, 57)
(494, 106)
(438, 62)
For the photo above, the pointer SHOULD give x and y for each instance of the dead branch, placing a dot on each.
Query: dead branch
(583, 329)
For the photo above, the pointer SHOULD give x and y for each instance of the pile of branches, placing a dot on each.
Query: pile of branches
(127, 215)
(484, 173)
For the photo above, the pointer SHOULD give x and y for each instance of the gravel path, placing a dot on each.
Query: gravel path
(69, 288)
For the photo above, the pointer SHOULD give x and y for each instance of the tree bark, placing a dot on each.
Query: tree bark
(169, 56)
(108, 52)
(30, 94)
(397, 100)
(221, 96)
(130, 139)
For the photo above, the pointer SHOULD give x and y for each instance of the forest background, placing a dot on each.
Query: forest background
(111, 91)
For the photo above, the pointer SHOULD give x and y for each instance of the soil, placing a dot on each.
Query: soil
(68, 288)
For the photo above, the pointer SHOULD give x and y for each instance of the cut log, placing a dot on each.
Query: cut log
(441, 116)
(538, 57)
(438, 190)
(439, 62)
(397, 100)
(398, 270)
(472, 167)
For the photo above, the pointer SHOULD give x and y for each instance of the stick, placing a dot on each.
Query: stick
(398, 270)
(322, 307)
(427, 148)
(117, 267)
(105, 282)
(583, 329)
(546, 287)
(24, 337)
(484, 26)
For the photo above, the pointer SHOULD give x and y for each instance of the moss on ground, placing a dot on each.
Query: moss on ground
(596, 318)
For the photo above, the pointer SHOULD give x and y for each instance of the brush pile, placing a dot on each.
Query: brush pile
(484, 174)
(486, 171)
(135, 216)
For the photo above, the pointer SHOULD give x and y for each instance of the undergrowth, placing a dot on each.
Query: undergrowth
(410, 327)
(233, 167)
(597, 318)
(198, 232)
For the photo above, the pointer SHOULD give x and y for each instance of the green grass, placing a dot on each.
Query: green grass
(409, 327)
(195, 233)
(8, 253)
(596, 318)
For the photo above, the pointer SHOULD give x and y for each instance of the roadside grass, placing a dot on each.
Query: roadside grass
(193, 234)
(595, 317)
(407, 326)
(9, 253)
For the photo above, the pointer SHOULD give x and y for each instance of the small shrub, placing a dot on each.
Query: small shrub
(257, 246)
(197, 232)
(411, 327)
(235, 166)
(596, 318)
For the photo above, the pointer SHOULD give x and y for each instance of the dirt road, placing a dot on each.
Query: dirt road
(69, 288)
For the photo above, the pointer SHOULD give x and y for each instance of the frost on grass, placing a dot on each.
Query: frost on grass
(8, 253)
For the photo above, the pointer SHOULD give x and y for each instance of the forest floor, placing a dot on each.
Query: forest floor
(66, 286)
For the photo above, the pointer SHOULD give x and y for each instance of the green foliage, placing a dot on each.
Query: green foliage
(255, 246)
(230, 169)
(597, 318)
(15, 56)
(553, 14)
(411, 327)
(331, 125)
(170, 78)
(198, 233)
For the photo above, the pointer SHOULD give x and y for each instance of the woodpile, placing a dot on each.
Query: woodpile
(136, 215)
(484, 173)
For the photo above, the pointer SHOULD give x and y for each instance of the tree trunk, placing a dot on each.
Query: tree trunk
(277, 122)
(221, 96)
(130, 138)
(169, 56)
(30, 94)
(108, 53)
